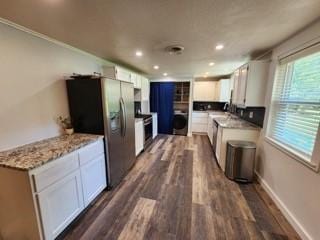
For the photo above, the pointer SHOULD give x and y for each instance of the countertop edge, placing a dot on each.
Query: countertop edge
(98, 137)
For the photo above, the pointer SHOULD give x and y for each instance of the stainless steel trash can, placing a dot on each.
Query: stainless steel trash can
(240, 160)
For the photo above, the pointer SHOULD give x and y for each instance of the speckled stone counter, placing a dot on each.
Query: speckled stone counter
(234, 122)
(35, 154)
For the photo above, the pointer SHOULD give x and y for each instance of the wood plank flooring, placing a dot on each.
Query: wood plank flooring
(177, 191)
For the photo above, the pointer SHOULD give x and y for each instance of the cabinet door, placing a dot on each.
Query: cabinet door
(204, 91)
(122, 74)
(218, 145)
(60, 203)
(210, 132)
(200, 127)
(139, 136)
(216, 85)
(93, 176)
(154, 125)
(243, 85)
(138, 82)
(224, 90)
(144, 89)
(133, 79)
(235, 87)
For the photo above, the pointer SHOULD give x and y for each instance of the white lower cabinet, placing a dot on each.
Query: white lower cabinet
(139, 136)
(82, 176)
(93, 178)
(154, 125)
(200, 122)
(60, 203)
(210, 130)
(228, 134)
(199, 128)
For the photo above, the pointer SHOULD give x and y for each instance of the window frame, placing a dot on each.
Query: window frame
(314, 161)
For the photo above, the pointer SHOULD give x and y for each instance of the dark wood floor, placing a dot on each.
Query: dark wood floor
(177, 191)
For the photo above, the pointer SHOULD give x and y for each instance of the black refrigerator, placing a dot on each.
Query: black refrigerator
(106, 106)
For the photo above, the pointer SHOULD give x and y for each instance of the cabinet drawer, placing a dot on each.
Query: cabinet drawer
(91, 151)
(200, 120)
(199, 114)
(198, 127)
(43, 177)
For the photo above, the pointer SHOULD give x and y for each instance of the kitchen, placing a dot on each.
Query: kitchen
(115, 160)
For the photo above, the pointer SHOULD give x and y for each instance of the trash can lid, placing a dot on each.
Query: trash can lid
(242, 144)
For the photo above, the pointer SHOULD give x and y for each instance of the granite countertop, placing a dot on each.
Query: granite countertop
(210, 111)
(235, 122)
(36, 154)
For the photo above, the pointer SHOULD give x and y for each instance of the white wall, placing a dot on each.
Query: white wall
(294, 187)
(32, 89)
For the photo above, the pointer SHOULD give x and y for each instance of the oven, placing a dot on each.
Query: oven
(147, 122)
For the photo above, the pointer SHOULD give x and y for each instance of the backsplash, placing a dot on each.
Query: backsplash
(257, 114)
(203, 106)
(137, 107)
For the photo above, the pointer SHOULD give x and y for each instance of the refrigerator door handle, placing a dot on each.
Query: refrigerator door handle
(123, 118)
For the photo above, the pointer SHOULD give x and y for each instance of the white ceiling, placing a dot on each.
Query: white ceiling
(115, 29)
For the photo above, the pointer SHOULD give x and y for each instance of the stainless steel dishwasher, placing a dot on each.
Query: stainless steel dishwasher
(240, 160)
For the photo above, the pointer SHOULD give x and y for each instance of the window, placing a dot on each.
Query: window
(295, 105)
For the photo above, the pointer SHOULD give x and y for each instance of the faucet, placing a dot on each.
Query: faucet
(226, 106)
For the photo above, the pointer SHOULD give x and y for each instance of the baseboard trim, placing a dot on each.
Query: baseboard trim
(284, 210)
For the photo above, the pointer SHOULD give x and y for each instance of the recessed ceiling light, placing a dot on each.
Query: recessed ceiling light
(139, 53)
(165, 74)
(219, 47)
(156, 67)
(211, 64)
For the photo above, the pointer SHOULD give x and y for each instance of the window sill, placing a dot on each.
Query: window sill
(291, 153)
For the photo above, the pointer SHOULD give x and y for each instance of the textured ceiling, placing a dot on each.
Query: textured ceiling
(114, 30)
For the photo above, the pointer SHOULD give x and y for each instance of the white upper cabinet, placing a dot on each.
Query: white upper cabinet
(204, 91)
(242, 84)
(224, 90)
(122, 74)
(249, 84)
(136, 80)
(235, 77)
(212, 91)
(145, 89)
(118, 73)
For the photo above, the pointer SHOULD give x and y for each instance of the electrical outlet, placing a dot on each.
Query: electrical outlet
(241, 113)
(251, 115)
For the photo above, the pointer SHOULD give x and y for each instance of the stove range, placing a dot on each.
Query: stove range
(144, 116)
